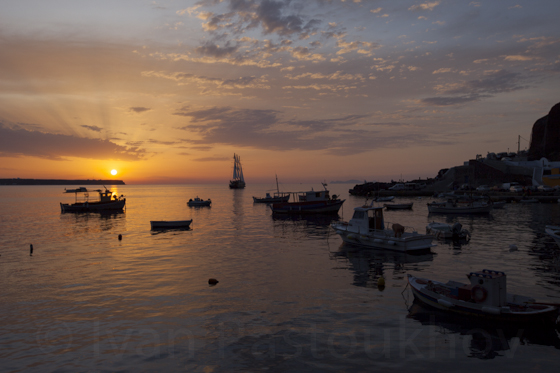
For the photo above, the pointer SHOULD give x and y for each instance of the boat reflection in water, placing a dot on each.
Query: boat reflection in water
(369, 264)
(305, 225)
(488, 340)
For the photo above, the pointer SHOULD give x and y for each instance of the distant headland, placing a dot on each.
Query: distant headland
(59, 182)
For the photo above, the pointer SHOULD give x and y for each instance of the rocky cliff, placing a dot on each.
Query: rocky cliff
(545, 137)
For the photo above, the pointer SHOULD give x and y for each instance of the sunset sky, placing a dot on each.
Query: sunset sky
(167, 91)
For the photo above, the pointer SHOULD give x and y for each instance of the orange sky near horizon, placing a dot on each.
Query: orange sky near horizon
(167, 91)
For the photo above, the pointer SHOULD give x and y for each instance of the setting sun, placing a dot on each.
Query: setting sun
(113, 172)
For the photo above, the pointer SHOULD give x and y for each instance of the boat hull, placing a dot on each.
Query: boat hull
(236, 184)
(309, 207)
(384, 239)
(398, 206)
(554, 232)
(540, 314)
(196, 203)
(93, 206)
(167, 224)
(440, 209)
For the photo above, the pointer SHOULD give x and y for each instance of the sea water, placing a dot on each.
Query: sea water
(290, 296)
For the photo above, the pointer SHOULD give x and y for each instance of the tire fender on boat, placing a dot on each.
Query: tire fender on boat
(479, 293)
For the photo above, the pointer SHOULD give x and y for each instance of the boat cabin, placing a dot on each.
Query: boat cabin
(367, 218)
(488, 287)
(105, 196)
(313, 196)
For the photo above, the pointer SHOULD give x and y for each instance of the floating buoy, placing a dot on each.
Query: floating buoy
(30, 249)
(120, 237)
(212, 281)
(512, 248)
(381, 283)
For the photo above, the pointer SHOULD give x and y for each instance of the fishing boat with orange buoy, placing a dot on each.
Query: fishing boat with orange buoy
(484, 297)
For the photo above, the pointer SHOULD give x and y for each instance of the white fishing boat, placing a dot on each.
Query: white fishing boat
(454, 207)
(277, 197)
(77, 190)
(554, 232)
(238, 181)
(368, 228)
(398, 206)
(199, 202)
(443, 231)
(485, 296)
(108, 201)
(385, 199)
(170, 224)
(310, 202)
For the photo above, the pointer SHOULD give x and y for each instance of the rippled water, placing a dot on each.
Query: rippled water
(290, 296)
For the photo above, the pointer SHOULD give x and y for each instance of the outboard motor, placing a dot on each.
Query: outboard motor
(457, 229)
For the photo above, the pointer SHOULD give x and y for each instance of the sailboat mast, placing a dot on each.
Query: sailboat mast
(239, 169)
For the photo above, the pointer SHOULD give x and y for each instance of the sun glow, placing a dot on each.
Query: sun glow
(113, 172)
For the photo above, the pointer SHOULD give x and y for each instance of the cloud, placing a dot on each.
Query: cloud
(18, 142)
(425, 6)
(490, 84)
(138, 109)
(211, 159)
(93, 128)
(266, 129)
(518, 58)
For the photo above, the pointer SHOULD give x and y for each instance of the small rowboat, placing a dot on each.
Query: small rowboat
(485, 297)
(554, 232)
(398, 206)
(199, 202)
(170, 224)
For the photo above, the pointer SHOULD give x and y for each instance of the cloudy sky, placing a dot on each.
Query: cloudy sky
(167, 91)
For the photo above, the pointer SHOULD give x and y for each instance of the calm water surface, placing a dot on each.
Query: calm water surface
(290, 296)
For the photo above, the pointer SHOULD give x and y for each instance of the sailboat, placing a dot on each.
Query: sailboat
(238, 181)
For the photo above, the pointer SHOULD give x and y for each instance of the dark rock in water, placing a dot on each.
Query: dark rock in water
(213, 281)
(545, 136)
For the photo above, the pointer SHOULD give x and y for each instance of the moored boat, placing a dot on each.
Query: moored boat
(238, 181)
(277, 197)
(485, 296)
(384, 199)
(199, 202)
(170, 224)
(398, 206)
(283, 197)
(108, 201)
(368, 228)
(554, 232)
(311, 202)
(454, 207)
(443, 231)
